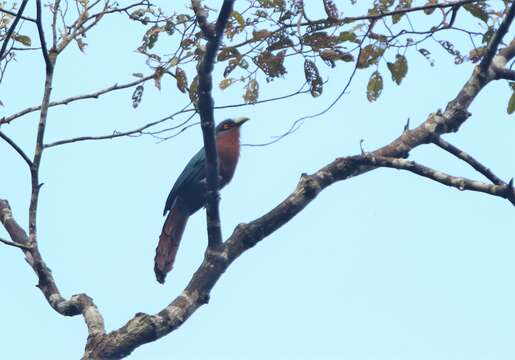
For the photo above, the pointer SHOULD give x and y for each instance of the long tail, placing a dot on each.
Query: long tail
(169, 241)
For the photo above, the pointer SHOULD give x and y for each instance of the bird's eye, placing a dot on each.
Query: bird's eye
(227, 126)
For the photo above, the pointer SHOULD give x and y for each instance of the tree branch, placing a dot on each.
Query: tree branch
(14, 244)
(12, 13)
(206, 112)
(503, 190)
(12, 27)
(460, 154)
(503, 73)
(201, 15)
(94, 95)
(38, 152)
(39, 23)
(349, 19)
(137, 131)
(140, 130)
(16, 148)
(77, 304)
(496, 39)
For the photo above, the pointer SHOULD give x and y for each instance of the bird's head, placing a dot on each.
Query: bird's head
(231, 124)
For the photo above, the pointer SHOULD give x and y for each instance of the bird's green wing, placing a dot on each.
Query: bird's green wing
(193, 172)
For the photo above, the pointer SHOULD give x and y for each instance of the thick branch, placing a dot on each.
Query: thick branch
(78, 304)
(12, 27)
(503, 73)
(140, 130)
(205, 109)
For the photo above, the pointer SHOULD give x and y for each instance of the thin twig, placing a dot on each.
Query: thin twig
(16, 14)
(12, 27)
(118, 134)
(504, 191)
(15, 244)
(140, 130)
(94, 95)
(16, 148)
(460, 154)
(298, 122)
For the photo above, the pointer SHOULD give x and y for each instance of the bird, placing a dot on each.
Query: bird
(188, 194)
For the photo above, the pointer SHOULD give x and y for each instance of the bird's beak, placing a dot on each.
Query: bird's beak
(241, 120)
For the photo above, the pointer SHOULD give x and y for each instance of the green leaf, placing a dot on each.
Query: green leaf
(345, 36)
(237, 16)
(511, 104)
(375, 86)
(477, 11)
(399, 68)
(24, 39)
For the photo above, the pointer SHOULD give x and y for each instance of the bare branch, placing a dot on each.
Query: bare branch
(138, 131)
(14, 244)
(38, 152)
(16, 14)
(95, 95)
(16, 148)
(78, 304)
(460, 154)
(15, 231)
(503, 190)
(12, 27)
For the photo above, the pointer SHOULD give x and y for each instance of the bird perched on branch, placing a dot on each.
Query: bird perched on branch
(188, 194)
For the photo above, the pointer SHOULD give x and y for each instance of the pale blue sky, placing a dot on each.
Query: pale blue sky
(384, 266)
